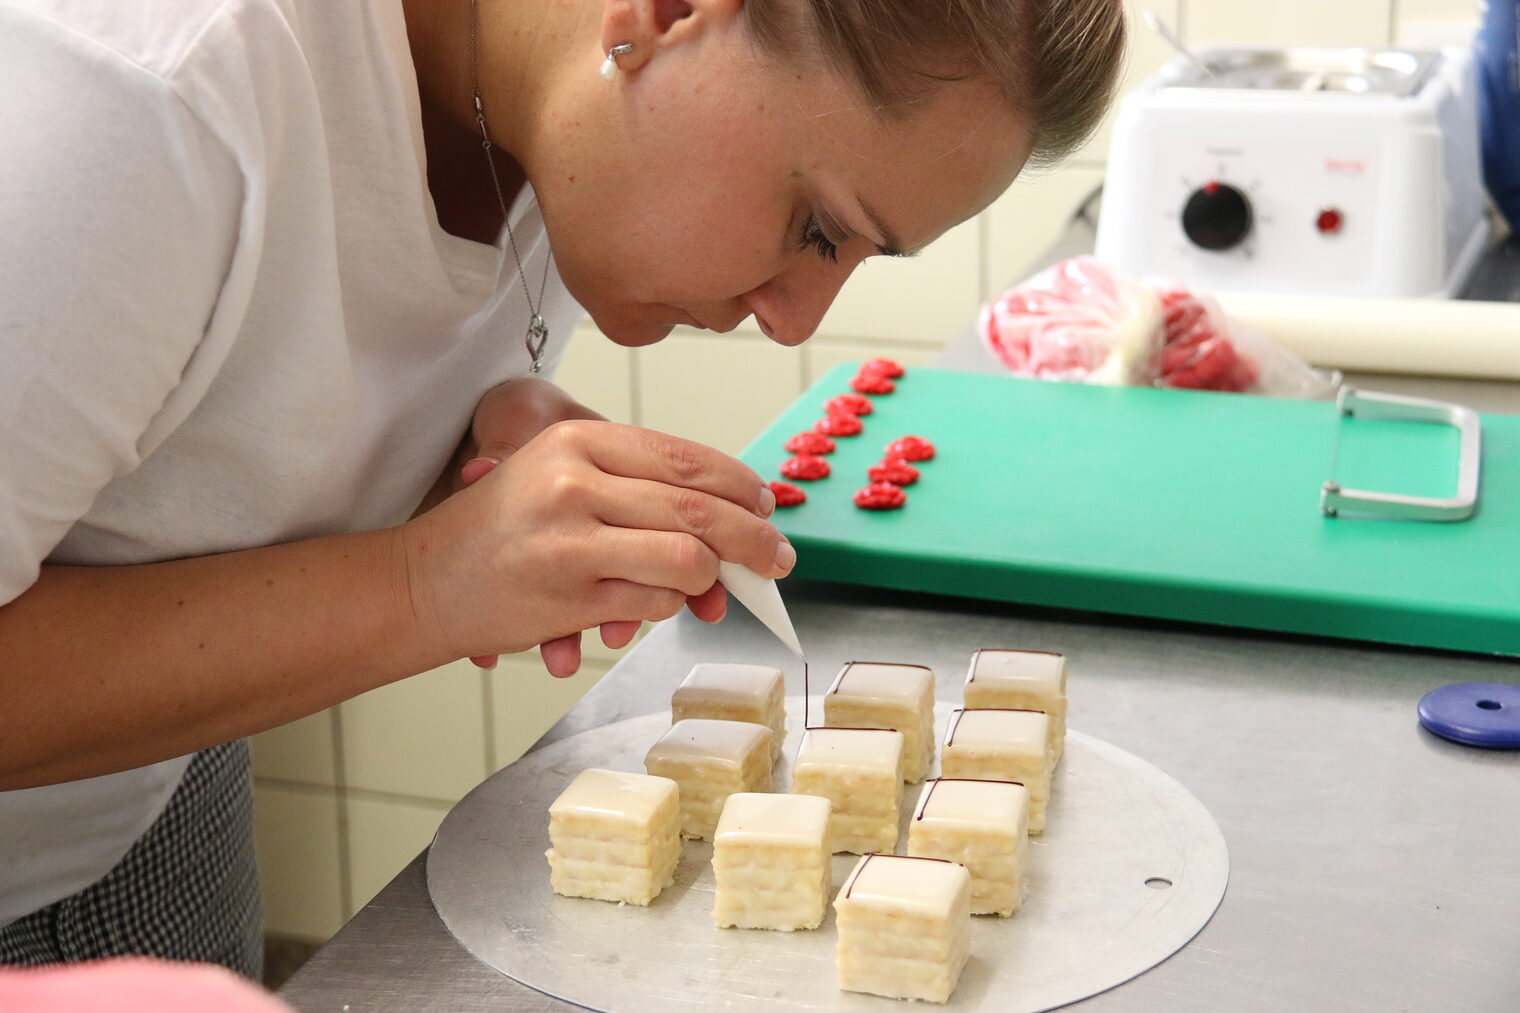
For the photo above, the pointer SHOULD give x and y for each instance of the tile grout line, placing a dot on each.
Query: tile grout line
(345, 857)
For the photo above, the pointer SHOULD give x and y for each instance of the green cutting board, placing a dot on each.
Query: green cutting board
(1170, 504)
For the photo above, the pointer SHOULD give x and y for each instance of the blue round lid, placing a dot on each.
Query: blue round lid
(1483, 714)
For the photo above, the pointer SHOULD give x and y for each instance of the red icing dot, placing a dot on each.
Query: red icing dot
(805, 468)
(894, 470)
(911, 448)
(848, 404)
(872, 383)
(838, 425)
(880, 496)
(810, 443)
(787, 494)
(886, 367)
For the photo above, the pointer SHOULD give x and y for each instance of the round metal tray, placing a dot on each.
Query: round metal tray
(1130, 867)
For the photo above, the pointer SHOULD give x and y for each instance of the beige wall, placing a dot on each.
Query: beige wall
(346, 797)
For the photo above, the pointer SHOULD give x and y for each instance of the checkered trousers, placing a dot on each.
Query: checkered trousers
(187, 890)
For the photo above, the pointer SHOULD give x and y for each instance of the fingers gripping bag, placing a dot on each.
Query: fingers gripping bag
(1079, 320)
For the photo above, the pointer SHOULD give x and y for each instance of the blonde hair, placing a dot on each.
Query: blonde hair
(1055, 61)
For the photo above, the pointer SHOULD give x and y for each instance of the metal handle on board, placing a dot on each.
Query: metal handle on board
(1333, 499)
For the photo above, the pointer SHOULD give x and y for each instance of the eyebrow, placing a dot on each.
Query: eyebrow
(893, 246)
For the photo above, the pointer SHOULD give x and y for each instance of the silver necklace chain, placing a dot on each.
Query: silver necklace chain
(537, 336)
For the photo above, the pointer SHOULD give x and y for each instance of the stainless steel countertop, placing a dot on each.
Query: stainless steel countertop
(1373, 866)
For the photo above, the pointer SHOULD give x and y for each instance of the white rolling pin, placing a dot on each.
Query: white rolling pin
(1426, 337)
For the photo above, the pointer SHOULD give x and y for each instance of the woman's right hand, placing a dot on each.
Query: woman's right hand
(588, 523)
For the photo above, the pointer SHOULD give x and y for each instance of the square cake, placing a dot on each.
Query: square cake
(771, 862)
(983, 825)
(859, 770)
(1002, 745)
(711, 760)
(904, 927)
(754, 693)
(614, 836)
(868, 694)
(1024, 680)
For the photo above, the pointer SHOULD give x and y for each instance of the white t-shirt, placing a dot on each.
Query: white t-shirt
(228, 316)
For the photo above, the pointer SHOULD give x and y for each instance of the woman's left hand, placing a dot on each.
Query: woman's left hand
(509, 416)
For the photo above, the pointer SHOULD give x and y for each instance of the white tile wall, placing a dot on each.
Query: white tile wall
(345, 798)
(423, 736)
(383, 836)
(302, 751)
(296, 834)
(721, 389)
(1333, 22)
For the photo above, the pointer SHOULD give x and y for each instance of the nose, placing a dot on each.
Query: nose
(790, 305)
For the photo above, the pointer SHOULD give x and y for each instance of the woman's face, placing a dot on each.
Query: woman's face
(712, 182)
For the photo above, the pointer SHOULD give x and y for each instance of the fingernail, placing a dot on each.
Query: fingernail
(476, 468)
(767, 501)
(786, 556)
(485, 661)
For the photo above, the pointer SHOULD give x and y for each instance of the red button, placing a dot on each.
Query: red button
(1329, 221)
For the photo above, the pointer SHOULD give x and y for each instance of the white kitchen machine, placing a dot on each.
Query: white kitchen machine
(1314, 170)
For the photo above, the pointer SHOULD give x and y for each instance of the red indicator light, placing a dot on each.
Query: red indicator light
(1329, 221)
(1211, 187)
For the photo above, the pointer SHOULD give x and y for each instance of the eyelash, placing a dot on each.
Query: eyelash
(812, 236)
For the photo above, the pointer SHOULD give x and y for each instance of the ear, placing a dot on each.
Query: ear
(652, 25)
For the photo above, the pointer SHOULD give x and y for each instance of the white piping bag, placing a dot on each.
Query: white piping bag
(763, 598)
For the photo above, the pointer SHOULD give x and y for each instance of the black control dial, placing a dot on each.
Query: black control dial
(1217, 216)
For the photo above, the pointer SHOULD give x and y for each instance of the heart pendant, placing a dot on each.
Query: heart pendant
(537, 338)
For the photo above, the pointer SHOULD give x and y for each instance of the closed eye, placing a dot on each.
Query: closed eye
(812, 236)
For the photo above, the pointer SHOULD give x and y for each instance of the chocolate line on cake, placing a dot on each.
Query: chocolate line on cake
(923, 803)
(971, 673)
(956, 724)
(850, 664)
(848, 887)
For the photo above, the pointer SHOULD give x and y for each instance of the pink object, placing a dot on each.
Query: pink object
(805, 468)
(133, 985)
(910, 448)
(880, 496)
(848, 404)
(838, 425)
(894, 470)
(886, 367)
(787, 494)
(872, 383)
(810, 443)
(1198, 352)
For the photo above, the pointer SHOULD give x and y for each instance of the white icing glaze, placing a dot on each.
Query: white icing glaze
(872, 749)
(796, 819)
(972, 803)
(729, 683)
(1000, 730)
(896, 882)
(1031, 671)
(614, 793)
(709, 738)
(869, 680)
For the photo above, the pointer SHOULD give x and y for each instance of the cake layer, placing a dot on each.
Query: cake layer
(904, 927)
(1002, 745)
(598, 881)
(901, 979)
(879, 695)
(711, 760)
(1034, 680)
(771, 861)
(613, 804)
(734, 692)
(639, 854)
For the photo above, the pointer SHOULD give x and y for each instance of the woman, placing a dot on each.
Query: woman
(259, 303)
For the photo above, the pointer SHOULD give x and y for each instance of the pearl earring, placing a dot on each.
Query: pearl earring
(609, 65)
